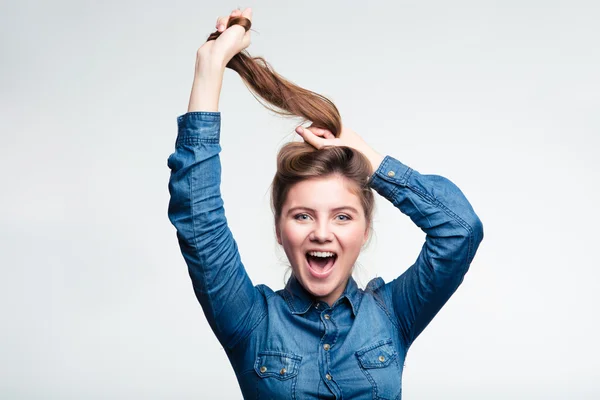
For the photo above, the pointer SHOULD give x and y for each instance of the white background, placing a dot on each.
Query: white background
(502, 98)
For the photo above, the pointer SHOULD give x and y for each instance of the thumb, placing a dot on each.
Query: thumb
(310, 137)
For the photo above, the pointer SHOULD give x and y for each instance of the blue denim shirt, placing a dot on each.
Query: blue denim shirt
(284, 344)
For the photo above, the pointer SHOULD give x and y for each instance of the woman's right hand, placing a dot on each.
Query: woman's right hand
(231, 41)
(319, 137)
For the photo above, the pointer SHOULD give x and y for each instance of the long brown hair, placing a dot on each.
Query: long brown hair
(298, 161)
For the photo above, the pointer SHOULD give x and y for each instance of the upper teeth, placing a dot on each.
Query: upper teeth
(321, 253)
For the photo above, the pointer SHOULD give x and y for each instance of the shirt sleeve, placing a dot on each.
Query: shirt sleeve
(453, 234)
(228, 298)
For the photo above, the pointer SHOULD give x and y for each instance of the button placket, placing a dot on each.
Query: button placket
(327, 342)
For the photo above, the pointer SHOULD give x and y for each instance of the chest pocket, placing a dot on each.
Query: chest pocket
(277, 374)
(379, 362)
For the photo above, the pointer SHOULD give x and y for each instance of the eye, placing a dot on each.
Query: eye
(301, 217)
(344, 217)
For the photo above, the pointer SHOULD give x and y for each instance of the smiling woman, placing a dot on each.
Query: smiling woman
(321, 336)
(323, 241)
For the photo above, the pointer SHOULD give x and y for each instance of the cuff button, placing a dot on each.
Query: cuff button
(391, 173)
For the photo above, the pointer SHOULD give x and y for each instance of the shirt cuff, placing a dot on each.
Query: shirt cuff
(199, 126)
(390, 174)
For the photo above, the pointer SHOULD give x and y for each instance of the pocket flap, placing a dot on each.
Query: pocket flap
(377, 355)
(277, 364)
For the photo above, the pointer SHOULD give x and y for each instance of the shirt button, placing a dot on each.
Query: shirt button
(391, 173)
(263, 369)
(326, 316)
(381, 358)
(326, 346)
(328, 377)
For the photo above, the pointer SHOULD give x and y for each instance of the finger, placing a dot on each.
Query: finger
(247, 13)
(325, 133)
(310, 137)
(222, 22)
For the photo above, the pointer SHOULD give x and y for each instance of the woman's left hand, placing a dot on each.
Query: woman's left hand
(319, 137)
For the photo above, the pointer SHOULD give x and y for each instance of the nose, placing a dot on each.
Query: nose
(321, 232)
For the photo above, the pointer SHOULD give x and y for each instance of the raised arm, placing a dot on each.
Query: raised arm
(453, 234)
(439, 208)
(230, 302)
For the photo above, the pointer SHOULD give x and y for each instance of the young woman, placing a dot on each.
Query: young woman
(321, 337)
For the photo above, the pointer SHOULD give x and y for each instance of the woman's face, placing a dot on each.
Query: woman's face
(322, 215)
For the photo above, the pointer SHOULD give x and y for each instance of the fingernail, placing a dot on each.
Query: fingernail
(300, 129)
(221, 27)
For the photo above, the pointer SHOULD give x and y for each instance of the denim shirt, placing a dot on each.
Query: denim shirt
(283, 344)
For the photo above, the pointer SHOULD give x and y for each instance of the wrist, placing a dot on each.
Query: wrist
(209, 66)
(375, 159)
(206, 88)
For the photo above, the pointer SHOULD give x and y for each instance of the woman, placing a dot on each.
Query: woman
(320, 337)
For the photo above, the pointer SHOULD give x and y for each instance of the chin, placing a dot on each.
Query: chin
(320, 290)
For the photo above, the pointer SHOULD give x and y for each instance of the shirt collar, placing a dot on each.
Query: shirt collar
(300, 301)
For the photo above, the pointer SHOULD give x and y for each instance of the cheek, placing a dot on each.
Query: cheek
(353, 240)
(291, 236)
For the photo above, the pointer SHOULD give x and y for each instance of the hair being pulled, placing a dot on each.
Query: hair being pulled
(279, 94)
(298, 161)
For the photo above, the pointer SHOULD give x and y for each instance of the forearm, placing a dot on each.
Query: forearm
(206, 88)
(374, 158)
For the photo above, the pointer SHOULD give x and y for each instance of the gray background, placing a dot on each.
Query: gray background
(500, 97)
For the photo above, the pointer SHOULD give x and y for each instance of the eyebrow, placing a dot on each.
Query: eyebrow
(293, 209)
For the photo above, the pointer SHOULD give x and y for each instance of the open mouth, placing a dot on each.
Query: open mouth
(320, 264)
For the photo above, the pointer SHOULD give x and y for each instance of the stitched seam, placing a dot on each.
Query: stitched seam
(385, 310)
(394, 192)
(337, 332)
(288, 301)
(192, 140)
(406, 175)
(212, 114)
(369, 377)
(365, 370)
(294, 381)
